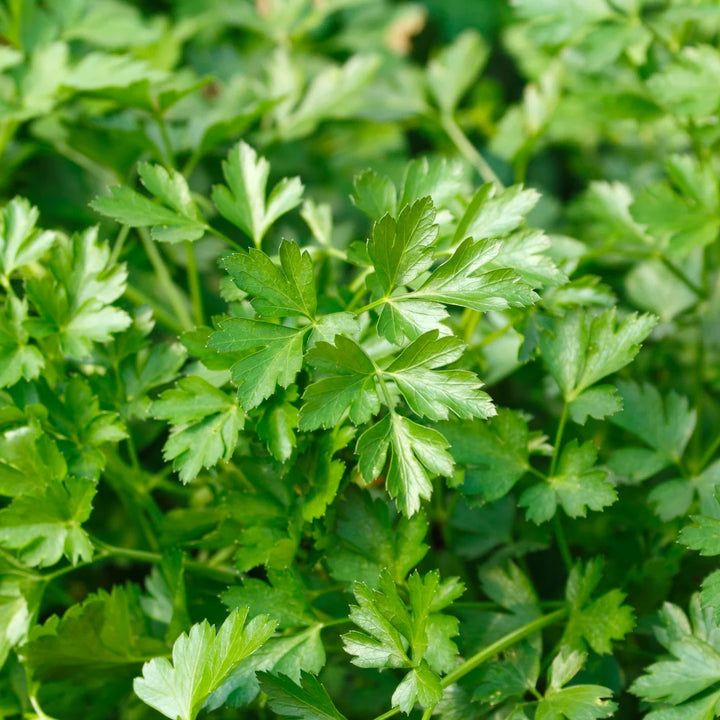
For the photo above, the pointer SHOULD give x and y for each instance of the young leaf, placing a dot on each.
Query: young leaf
(285, 292)
(375, 195)
(686, 85)
(433, 393)
(664, 424)
(205, 425)
(201, 662)
(244, 202)
(401, 250)
(20, 241)
(575, 702)
(453, 71)
(176, 220)
(418, 637)
(74, 303)
(269, 355)
(597, 623)
(417, 453)
(350, 388)
(283, 600)
(18, 359)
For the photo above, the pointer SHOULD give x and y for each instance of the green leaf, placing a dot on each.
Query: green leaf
(598, 622)
(553, 22)
(416, 637)
(18, 359)
(581, 348)
(597, 402)
(673, 498)
(100, 71)
(703, 535)
(308, 701)
(244, 202)
(166, 601)
(512, 677)
(104, 636)
(694, 663)
(366, 540)
(277, 428)
(176, 220)
(21, 243)
(43, 528)
(665, 424)
(434, 393)
(576, 702)
(681, 221)
(686, 86)
(334, 92)
(205, 425)
(401, 250)
(201, 662)
(453, 71)
(74, 303)
(287, 291)
(19, 605)
(417, 453)
(350, 387)
(269, 355)
(318, 217)
(420, 685)
(374, 194)
(29, 461)
(460, 280)
(283, 600)
(495, 453)
(524, 252)
(576, 486)
(492, 214)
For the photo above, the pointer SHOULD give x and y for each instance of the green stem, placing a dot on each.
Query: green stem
(680, 275)
(38, 710)
(370, 306)
(428, 713)
(194, 284)
(388, 714)
(563, 546)
(229, 575)
(495, 334)
(191, 163)
(468, 150)
(222, 236)
(336, 621)
(166, 283)
(712, 448)
(536, 472)
(119, 242)
(491, 651)
(140, 298)
(169, 155)
(558, 439)
(502, 644)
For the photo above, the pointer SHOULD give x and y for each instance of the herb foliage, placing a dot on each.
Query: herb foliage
(359, 358)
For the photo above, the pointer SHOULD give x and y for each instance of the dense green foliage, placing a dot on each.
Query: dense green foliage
(360, 358)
